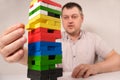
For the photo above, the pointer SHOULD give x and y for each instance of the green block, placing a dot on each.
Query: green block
(35, 67)
(51, 66)
(44, 60)
(41, 68)
(46, 9)
(44, 57)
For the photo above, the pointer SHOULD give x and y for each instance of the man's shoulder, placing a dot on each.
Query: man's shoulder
(84, 34)
(88, 34)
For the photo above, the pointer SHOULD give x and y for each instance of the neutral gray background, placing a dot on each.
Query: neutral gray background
(101, 17)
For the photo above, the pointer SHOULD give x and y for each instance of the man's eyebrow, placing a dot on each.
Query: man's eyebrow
(64, 15)
(72, 14)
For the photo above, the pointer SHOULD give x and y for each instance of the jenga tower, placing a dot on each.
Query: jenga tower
(43, 51)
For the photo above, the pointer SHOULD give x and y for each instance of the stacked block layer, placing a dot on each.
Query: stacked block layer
(43, 51)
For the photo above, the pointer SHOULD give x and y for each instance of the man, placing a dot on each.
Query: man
(80, 48)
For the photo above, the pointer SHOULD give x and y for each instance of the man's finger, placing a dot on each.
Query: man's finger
(11, 37)
(87, 74)
(16, 56)
(82, 72)
(11, 48)
(12, 28)
(77, 70)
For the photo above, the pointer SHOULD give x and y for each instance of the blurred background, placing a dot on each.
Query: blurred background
(101, 17)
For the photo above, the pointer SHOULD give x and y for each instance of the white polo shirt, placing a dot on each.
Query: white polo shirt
(83, 51)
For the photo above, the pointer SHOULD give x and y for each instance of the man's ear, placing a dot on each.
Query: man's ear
(82, 17)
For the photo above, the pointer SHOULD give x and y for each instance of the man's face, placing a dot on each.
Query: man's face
(72, 20)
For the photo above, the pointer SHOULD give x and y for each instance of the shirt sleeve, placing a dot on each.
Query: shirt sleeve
(102, 49)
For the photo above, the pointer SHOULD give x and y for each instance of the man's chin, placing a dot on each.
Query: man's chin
(70, 32)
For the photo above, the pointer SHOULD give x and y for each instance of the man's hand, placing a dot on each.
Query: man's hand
(85, 70)
(11, 44)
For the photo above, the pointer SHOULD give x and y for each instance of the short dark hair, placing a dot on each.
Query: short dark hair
(71, 5)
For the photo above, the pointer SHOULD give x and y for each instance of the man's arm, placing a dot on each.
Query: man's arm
(111, 63)
(12, 44)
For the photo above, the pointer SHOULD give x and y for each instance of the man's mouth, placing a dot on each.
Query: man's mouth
(70, 25)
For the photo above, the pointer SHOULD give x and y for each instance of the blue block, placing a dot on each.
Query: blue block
(44, 53)
(44, 46)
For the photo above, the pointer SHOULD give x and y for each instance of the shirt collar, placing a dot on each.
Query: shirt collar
(67, 38)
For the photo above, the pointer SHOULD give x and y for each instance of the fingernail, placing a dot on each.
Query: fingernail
(20, 25)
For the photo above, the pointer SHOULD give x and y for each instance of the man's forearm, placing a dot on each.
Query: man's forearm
(110, 64)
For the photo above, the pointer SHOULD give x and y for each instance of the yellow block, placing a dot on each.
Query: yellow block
(44, 21)
(37, 25)
(32, 2)
(47, 26)
(43, 18)
(58, 24)
(50, 22)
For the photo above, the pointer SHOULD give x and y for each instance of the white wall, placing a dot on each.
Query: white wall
(11, 12)
(101, 17)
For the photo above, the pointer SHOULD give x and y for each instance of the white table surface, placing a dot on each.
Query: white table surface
(104, 76)
(66, 76)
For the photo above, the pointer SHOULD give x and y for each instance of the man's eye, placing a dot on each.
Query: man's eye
(74, 17)
(65, 17)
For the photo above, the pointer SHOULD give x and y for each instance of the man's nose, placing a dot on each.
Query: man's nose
(70, 20)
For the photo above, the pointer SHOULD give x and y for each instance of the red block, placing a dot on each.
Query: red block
(49, 2)
(43, 34)
(45, 30)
